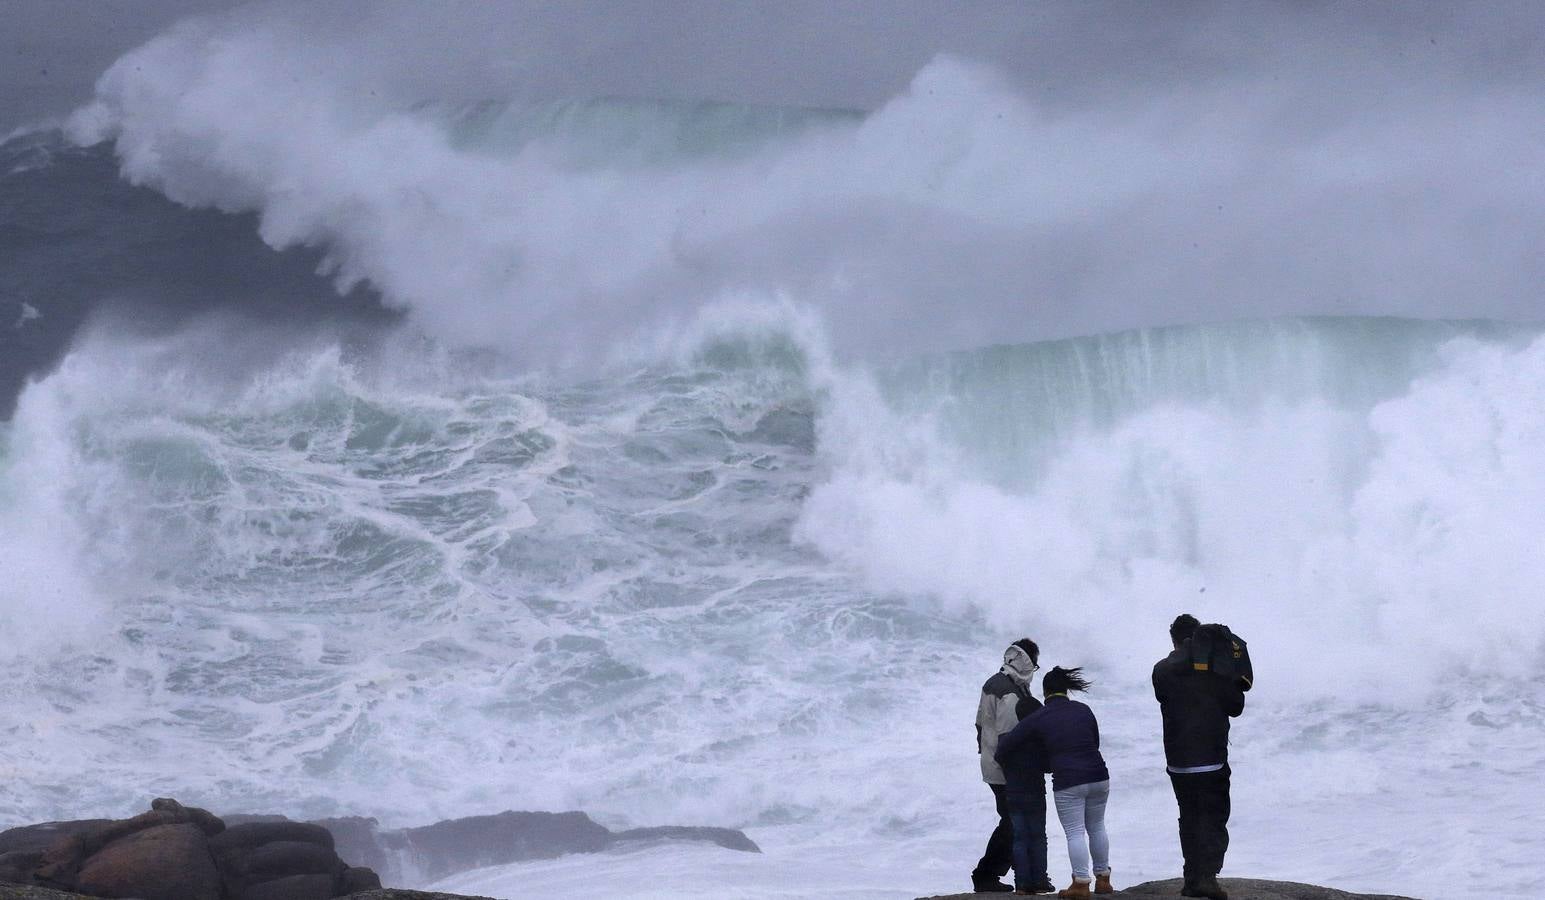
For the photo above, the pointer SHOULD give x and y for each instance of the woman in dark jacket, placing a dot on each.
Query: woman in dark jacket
(1067, 738)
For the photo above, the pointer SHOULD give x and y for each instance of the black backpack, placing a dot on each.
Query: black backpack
(1216, 649)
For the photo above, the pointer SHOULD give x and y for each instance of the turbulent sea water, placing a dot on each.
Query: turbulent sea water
(730, 575)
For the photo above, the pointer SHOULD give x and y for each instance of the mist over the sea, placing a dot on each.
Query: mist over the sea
(422, 412)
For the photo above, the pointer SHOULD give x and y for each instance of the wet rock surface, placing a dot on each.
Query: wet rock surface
(1238, 889)
(175, 852)
(434, 851)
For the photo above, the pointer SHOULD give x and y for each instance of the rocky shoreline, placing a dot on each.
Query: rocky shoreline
(175, 852)
(1238, 889)
(23, 892)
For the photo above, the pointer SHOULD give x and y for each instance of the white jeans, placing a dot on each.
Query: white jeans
(1082, 812)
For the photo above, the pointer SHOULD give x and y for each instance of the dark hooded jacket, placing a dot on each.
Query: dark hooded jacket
(1197, 707)
(1062, 738)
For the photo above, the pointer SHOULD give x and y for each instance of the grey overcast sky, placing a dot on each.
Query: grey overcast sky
(833, 52)
(51, 51)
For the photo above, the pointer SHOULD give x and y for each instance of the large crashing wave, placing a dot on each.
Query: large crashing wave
(78, 244)
(1330, 483)
(747, 579)
(957, 214)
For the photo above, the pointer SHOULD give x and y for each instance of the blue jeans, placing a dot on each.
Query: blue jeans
(1028, 813)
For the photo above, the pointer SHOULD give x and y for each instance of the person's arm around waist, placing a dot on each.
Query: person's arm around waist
(1010, 741)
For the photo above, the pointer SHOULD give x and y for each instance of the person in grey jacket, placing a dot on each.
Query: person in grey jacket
(1005, 700)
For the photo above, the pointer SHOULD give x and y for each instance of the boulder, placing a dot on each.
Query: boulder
(27, 892)
(265, 859)
(728, 838)
(459, 844)
(40, 837)
(22, 892)
(455, 845)
(292, 887)
(248, 818)
(279, 858)
(239, 839)
(16, 866)
(358, 878)
(63, 859)
(163, 862)
(208, 822)
(400, 894)
(253, 852)
(358, 841)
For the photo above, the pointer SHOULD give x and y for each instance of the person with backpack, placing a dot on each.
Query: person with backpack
(1197, 704)
(1066, 738)
(1005, 700)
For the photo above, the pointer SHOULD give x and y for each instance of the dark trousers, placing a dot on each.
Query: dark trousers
(1027, 810)
(999, 856)
(1204, 808)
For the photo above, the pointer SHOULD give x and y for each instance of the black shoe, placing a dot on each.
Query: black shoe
(1205, 886)
(1045, 887)
(989, 884)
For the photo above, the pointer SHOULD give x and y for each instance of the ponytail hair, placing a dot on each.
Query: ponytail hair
(1061, 681)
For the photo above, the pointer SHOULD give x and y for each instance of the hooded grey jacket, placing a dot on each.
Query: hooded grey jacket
(1005, 700)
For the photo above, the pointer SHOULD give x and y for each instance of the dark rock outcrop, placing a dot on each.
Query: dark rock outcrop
(163, 862)
(1238, 889)
(728, 838)
(456, 845)
(63, 861)
(399, 894)
(182, 853)
(40, 837)
(25, 892)
(18, 865)
(294, 860)
(1258, 889)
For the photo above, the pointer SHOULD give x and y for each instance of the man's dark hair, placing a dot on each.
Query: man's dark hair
(1183, 627)
(1030, 648)
(1060, 681)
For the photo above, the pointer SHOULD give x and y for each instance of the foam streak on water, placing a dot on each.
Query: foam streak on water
(748, 587)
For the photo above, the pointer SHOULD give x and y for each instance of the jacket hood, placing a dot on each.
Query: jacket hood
(1017, 665)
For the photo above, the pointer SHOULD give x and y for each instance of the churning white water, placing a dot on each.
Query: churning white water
(742, 588)
(708, 528)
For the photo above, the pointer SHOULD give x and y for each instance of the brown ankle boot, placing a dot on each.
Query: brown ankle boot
(1102, 884)
(1078, 890)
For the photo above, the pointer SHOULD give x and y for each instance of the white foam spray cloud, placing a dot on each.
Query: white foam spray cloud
(958, 211)
(1370, 549)
(46, 598)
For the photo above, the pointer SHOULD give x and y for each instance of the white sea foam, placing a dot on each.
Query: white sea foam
(741, 578)
(744, 588)
(957, 213)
